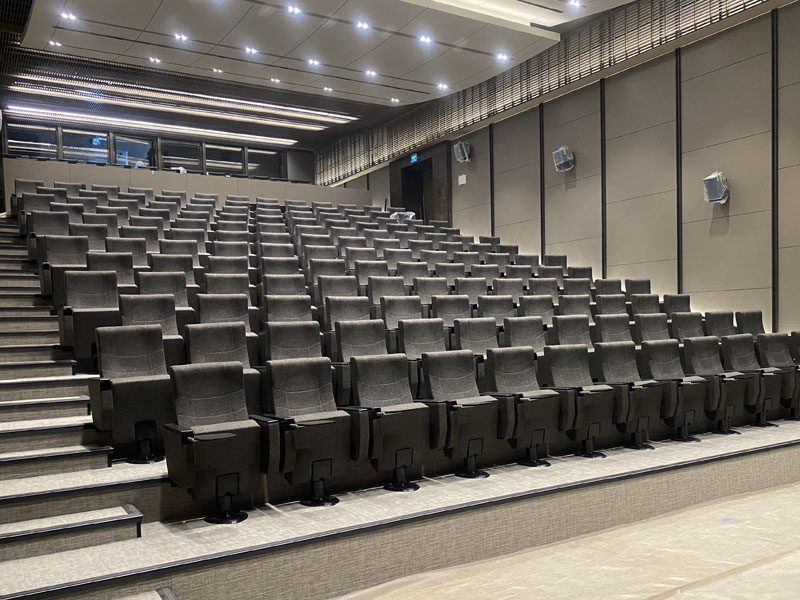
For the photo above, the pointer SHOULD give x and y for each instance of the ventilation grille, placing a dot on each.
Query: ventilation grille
(604, 42)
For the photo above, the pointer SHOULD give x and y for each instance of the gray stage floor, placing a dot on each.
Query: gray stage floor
(164, 543)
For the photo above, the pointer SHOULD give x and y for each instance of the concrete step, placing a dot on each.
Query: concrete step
(38, 368)
(43, 408)
(32, 352)
(24, 297)
(19, 280)
(159, 594)
(12, 241)
(47, 461)
(45, 387)
(51, 432)
(25, 311)
(33, 336)
(41, 322)
(10, 251)
(17, 265)
(50, 535)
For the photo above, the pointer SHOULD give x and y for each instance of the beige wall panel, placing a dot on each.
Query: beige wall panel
(662, 274)
(211, 185)
(525, 234)
(789, 294)
(573, 212)
(789, 210)
(755, 299)
(516, 142)
(789, 124)
(475, 193)
(29, 168)
(580, 103)
(341, 195)
(640, 98)
(581, 253)
(158, 180)
(583, 138)
(728, 253)
(474, 221)
(379, 186)
(729, 47)
(309, 193)
(746, 162)
(728, 104)
(265, 189)
(789, 44)
(642, 229)
(641, 163)
(516, 195)
(106, 175)
(359, 183)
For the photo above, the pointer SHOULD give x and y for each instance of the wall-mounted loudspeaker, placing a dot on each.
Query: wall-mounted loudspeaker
(563, 159)
(461, 150)
(715, 188)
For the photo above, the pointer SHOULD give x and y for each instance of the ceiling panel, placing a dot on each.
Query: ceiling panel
(398, 56)
(199, 19)
(172, 56)
(442, 27)
(271, 30)
(387, 14)
(80, 39)
(452, 66)
(132, 14)
(339, 43)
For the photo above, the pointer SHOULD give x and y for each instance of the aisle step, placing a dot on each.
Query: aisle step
(50, 432)
(28, 337)
(45, 387)
(41, 322)
(48, 461)
(32, 352)
(43, 408)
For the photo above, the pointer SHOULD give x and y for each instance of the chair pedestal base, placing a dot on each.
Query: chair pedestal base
(588, 451)
(761, 421)
(681, 434)
(319, 497)
(225, 514)
(638, 441)
(471, 470)
(400, 483)
(145, 456)
(532, 458)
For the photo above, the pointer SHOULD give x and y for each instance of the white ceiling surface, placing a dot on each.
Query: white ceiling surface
(219, 30)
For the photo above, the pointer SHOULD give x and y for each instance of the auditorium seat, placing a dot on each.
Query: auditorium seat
(644, 304)
(133, 398)
(537, 306)
(287, 307)
(380, 286)
(95, 234)
(544, 286)
(284, 340)
(173, 284)
(736, 390)
(227, 308)
(608, 287)
(686, 324)
(677, 303)
(400, 430)
(58, 254)
(448, 309)
(738, 354)
(476, 335)
(524, 331)
(650, 327)
(119, 262)
(613, 328)
(610, 304)
(719, 323)
(486, 272)
(472, 288)
(394, 309)
(428, 287)
(214, 449)
(571, 330)
(317, 446)
(224, 342)
(552, 272)
(774, 350)
(576, 305)
(750, 321)
(334, 285)
(473, 420)
(637, 286)
(155, 309)
(450, 271)
(523, 272)
(507, 286)
(395, 256)
(496, 306)
(577, 287)
(40, 224)
(366, 337)
(588, 410)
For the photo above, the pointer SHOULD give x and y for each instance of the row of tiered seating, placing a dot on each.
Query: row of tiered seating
(297, 340)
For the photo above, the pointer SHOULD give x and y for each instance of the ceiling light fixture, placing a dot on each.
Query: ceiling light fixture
(54, 43)
(293, 10)
(502, 56)
(68, 16)
(370, 73)
(574, 2)
(216, 70)
(425, 39)
(274, 80)
(181, 37)
(442, 86)
(395, 100)
(128, 124)
(155, 60)
(250, 50)
(327, 89)
(153, 93)
(362, 25)
(313, 62)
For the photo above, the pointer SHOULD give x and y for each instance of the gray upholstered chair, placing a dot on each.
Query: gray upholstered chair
(750, 321)
(133, 397)
(650, 327)
(225, 308)
(213, 448)
(686, 325)
(738, 354)
(355, 338)
(58, 254)
(415, 337)
(613, 328)
(173, 284)
(637, 286)
(301, 339)
(774, 350)
(155, 309)
(720, 323)
(524, 331)
(497, 307)
(644, 304)
(611, 304)
(537, 306)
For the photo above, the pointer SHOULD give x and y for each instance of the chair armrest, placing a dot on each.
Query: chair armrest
(506, 412)
(360, 429)
(174, 429)
(566, 413)
(440, 422)
(271, 443)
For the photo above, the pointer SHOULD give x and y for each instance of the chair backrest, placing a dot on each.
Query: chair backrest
(450, 375)
(345, 308)
(450, 308)
(524, 331)
(359, 338)
(234, 265)
(608, 286)
(663, 359)
(136, 351)
(575, 305)
(110, 221)
(637, 286)
(486, 272)
(702, 355)
(149, 309)
(650, 327)
(299, 386)
(224, 308)
(552, 272)
(287, 265)
(172, 283)
(677, 303)
(337, 285)
(618, 362)
(231, 248)
(719, 323)
(775, 350)
(537, 306)
(496, 307)
(613, 328)
(364, 269)
(148, 234)
(417, 336)
(739, 353)
(48, 223)
(611, 304)
(511, 370)
(397, 308)
(91, 289)
(572, 329)
(644, 304)
(750, 321)
(380, 381)
(283, 285)
(292, 340)
(513, 287)
(395, 256)
(544, 286)
(227, 283)
(428, 287)
(577, 286)
(378, 287)
(290, 307)
(471, 287)
(476, 335)
(326, 266)
(167, 263)
(217, 342)
(119, 262)
(687, 325)
(64, 249)
(568, 365)
(272, 250)
(209, 393)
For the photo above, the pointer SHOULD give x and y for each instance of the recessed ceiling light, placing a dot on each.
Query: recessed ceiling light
(574, 2)
(362, 25)
(313, 61)
(250, 50)
(216, 70)
(155, 60)
(54, 43)
(274, 80)
(68, 16)
(502, 56)
(327, 89)
(425, 39)
(442, 86)
(181, 37)
(293, 9)
(395, 100)
(370, 73)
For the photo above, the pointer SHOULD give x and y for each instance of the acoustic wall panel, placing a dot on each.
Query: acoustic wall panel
(471, 196)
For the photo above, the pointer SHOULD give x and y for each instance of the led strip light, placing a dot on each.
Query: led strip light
(131, 125)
